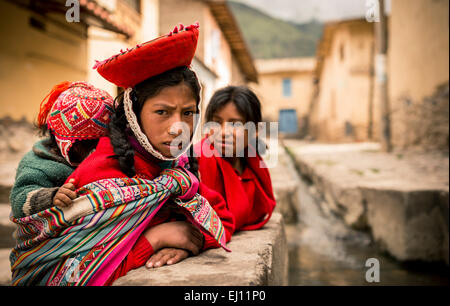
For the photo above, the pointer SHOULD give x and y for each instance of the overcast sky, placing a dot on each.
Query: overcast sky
(305, 10)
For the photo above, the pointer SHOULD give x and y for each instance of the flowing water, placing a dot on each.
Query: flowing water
(325, 252)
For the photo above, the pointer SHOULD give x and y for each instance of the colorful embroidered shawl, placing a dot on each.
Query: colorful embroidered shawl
(85, 243)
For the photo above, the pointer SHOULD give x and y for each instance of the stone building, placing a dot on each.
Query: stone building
(40, 48)
(418, 72)
(140, 15)
(342, 105)
(221, 50)
(285, 88)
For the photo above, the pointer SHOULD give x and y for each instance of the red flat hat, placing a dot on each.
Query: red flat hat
(154, 57)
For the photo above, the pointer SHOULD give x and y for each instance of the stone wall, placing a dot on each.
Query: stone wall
(401, 198)
(418, 73)
(258, 258)
(422, 124)
(36, 53)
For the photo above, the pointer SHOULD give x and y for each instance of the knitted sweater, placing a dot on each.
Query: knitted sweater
(39, 175)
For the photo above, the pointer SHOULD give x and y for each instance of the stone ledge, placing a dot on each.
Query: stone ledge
(6, 227)
(285, 183)
(405, 210)
(258, 258)
(5, 190)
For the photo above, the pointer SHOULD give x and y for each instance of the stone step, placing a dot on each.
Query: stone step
(258, 258)
(285, 185)
(7, 242)
(5, 267)
(401, 198)
(4, 193)
(8, 166)
(262, 262)
(6, 227)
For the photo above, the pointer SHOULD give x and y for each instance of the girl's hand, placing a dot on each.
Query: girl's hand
(167, 256)
(65, 194)
(177, 234)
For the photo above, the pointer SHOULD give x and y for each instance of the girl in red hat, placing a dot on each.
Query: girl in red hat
(240, 176)
(151, 130)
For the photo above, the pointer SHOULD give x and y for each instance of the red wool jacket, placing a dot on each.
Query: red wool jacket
(99, 166)
(249, 196)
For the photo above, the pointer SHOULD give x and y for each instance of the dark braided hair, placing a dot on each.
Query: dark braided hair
(141, 92)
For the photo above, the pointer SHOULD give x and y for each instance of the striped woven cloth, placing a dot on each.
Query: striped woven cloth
(84, 243)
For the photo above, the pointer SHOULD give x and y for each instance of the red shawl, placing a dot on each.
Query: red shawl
(249, 196)
(99, 166)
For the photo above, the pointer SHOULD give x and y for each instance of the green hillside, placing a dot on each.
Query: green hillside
(270, 37)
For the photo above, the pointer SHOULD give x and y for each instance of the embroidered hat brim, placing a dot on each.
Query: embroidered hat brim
(81, 112)
(154, 57)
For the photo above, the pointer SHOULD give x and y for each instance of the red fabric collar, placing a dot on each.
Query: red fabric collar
(219, 175)
(100, 165)
(247, 174)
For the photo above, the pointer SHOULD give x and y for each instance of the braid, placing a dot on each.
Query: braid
(193, 162)
(119, 139)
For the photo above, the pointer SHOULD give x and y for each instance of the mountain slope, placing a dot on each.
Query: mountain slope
(270, 37)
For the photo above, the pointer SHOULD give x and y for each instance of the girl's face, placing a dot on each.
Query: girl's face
(232, 136)
(162, 114)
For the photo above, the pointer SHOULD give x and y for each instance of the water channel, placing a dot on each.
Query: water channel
(325, 252)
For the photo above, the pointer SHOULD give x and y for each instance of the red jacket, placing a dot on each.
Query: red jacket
(100, 165)
(249, 196)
